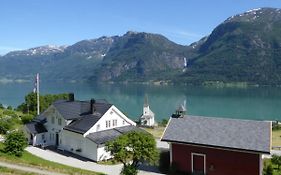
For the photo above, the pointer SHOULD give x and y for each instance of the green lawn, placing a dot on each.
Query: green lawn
(276, 138)
(156, 131)
(33, 161)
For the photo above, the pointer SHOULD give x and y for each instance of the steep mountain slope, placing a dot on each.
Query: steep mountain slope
(141, 57)
(131, 57)
(244, 48)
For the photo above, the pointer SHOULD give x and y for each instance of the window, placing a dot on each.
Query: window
(98, 127)
(59, 121)
(53, 120)
(114, 122)
(107, 123)
(43, 137)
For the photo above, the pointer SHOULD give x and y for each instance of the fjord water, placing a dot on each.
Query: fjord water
(258, 103)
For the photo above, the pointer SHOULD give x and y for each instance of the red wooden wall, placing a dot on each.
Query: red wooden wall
(218, 161)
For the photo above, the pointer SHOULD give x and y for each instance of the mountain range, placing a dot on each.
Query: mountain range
(245, 48)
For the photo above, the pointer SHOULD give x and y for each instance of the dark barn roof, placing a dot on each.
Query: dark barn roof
(36, 128)
(102, 137)
(235, 134)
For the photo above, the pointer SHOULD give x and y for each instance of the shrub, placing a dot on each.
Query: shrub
(276, 160)
(267, 170)
(15, 143)
(129, 170)
(5, 126)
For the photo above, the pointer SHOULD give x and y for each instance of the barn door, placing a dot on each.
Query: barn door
(198, 163)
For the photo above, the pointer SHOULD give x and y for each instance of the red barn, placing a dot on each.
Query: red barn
(217, 146)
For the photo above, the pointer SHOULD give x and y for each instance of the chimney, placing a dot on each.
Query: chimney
(71, 96)
(93, 101)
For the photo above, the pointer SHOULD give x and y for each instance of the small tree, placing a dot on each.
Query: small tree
(276, 160)
(132, 149)
(15, 143)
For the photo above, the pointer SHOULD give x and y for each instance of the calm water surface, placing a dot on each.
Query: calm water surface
(263, 103)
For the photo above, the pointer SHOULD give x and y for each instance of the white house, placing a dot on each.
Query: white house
(147, 118)
(81, 127)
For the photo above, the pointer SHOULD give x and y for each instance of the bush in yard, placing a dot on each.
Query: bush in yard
(267, 170)
(276, 160)
(15, 143)
(5, 126)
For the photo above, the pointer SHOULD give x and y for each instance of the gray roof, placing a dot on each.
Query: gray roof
(102, 137)
(235, 134)
(72, 109)
(36, 128)
(79, 112)
(88, 120)
(83, 124)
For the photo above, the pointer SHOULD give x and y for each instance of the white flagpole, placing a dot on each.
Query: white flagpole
(37, 90)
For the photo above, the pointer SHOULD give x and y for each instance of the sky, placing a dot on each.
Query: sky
(30, 23)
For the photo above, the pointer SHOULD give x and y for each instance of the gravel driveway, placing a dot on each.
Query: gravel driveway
(89, 165)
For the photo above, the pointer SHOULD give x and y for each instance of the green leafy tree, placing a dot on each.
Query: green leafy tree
(276, 160)
(15, 143)
(132, 149)
(26, 118)
(30, 104)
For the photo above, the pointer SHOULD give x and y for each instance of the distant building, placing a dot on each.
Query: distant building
(217, 146)
(147, 118)
(80, 127)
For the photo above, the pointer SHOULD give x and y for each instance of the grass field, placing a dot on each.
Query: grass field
(276, 138)
(33, 161)
(156, 131)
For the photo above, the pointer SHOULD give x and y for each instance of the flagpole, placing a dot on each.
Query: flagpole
(37, 90)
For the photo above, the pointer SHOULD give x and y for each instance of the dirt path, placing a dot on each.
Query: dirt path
(28, 169)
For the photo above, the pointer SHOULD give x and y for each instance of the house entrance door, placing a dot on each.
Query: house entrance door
(57, 139)
(31, 139)
(198, 163)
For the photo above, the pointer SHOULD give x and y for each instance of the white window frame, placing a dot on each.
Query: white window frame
(114, 122)
(53, 119)
(198, 154)
(59, 121)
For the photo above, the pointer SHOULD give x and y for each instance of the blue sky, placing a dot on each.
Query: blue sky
(29, 23)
